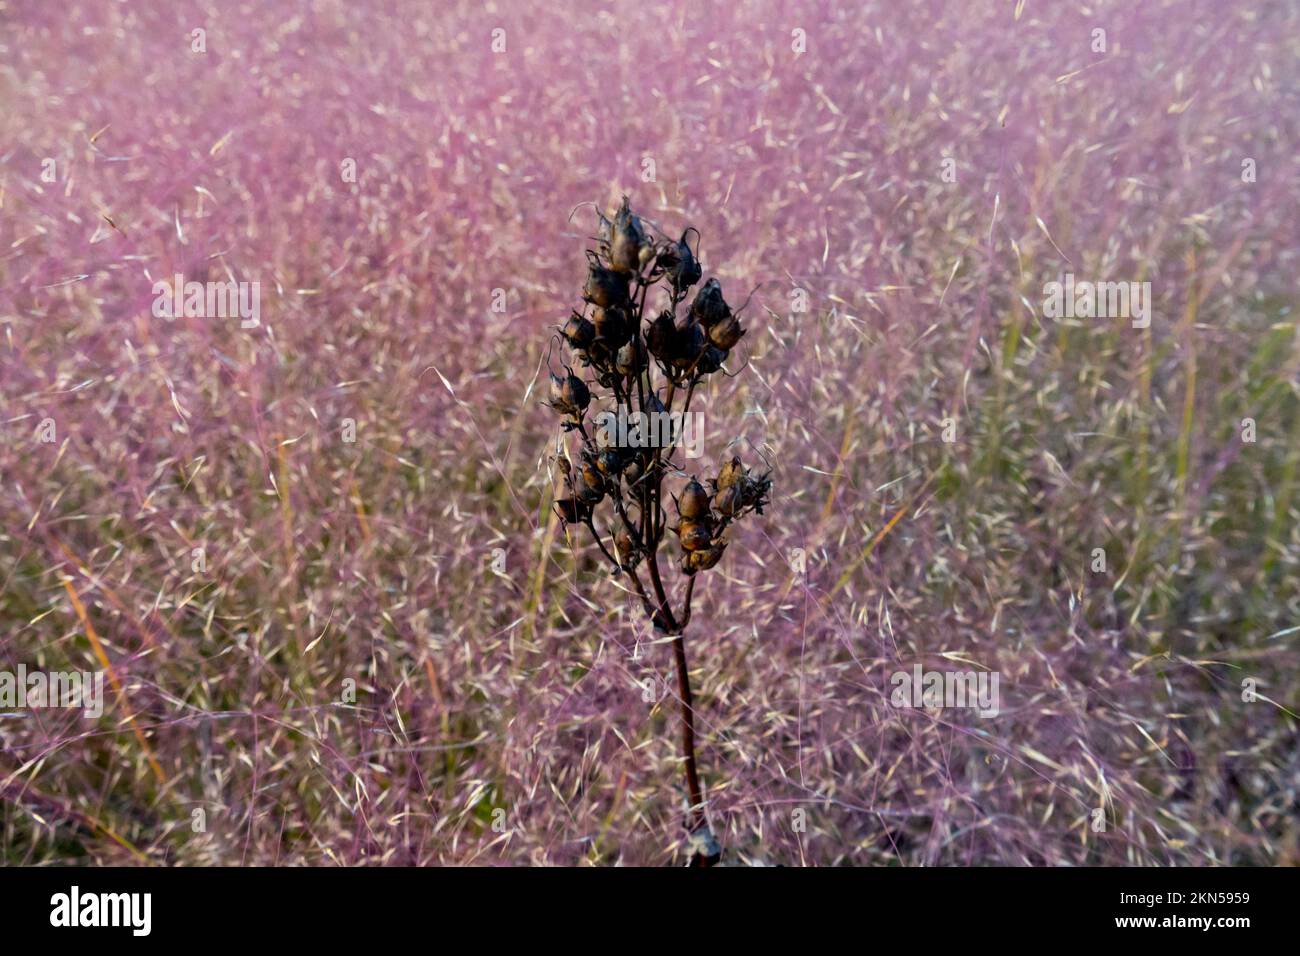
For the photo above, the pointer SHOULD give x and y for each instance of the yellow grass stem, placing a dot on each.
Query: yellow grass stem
(104, 662)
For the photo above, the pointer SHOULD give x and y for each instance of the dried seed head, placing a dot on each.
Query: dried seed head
(576, 392)
(728, 501)
(633, 470)
(626, 242)
(731, 473)
(710, 360)
(609, 461)
(579, 332)
(709, 306)
(631, 358)
(612, 326)
(605, 287)
(570, 394)
(591, 483)
(693, 561)
(694, 502)
(661, 336)
(695, 535)
(680, 264)
(571, 510)
(689, 346)
(726, 332)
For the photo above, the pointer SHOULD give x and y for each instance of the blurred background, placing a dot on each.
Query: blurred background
(385, 651)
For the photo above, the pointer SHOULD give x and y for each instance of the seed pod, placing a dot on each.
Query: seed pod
(689, 346)
(609, 462)
(709, 306)
(571, 510)
(626, 240)
(694, 561)
(612, 326)
(726, 332)
(605, 287)
(591, 484)
(680, 264)
(600, 356)
(631, 358)
(576, 391)
(711, 360)
(693, 505)
(647, 255)
(695, 535)
(661, 336)
(731, 473)
(570, 394)
(579, 332)
(633, 470)
(728, 501)
(557, 392)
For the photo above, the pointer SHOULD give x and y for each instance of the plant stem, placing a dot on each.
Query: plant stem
(696, 816)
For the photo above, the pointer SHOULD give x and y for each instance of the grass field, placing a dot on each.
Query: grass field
(386, 650)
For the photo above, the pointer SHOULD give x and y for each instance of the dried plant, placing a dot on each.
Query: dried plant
(644, 368)
(411, 301)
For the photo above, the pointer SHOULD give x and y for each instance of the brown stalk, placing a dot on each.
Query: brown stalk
(619, 279)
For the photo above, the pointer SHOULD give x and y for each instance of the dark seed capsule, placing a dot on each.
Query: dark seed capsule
(710, 360)
(709, 306)
(712, 556)
(728, 501)
(558, 399)
(689, 346)
(694, 561)
(694, 502)
(631, 358)
(579, 332)
(609, 462)
(731, 473)
(695, 535)
(661, 336)
(591, 484)
(573, 394)
(626, 240)
(612, 326)
(571, 510)
(680, 264)
(726, 332)
(605, 287)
